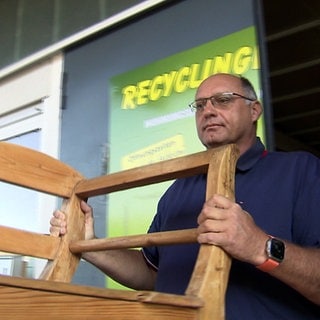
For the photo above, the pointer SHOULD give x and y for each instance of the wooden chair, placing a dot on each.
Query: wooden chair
(53, 297)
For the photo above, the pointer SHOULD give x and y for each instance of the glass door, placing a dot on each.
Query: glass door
(29, 116)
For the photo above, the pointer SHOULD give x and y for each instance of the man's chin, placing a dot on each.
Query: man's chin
(214, 144)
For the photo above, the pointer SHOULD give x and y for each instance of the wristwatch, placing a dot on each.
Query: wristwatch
(275, 249)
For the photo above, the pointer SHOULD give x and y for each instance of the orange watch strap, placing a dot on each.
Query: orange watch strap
(268, 265)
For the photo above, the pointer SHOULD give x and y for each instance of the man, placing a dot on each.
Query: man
(277, 205)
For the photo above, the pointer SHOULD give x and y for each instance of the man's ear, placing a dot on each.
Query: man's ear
(256, 110)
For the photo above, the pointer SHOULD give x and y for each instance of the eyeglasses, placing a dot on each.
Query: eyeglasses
(219, 100)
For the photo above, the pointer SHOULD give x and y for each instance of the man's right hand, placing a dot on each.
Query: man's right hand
(58, 223)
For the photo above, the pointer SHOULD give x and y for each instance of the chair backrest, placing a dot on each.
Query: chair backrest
(210, 276)
(34, 170)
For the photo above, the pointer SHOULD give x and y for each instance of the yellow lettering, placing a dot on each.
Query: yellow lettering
(143, 90)
(156, 88)
(128, 96)
(181, 84)
(168, 83)
(191, 76)
(255, 58)
(222, 63)
(206, 69)
(242, 59)
(194, 81)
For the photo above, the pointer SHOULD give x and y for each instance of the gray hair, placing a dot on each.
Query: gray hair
(248, 88)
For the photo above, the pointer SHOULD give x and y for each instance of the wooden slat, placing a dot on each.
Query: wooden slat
(54, 306)
(81, 290)
(135, 241)
(35, 170)
(210, 276)
(145, 175)
(65, 263)
(28, 243)
(55, 300)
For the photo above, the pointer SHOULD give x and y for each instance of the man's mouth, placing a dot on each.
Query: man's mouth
(212, 126)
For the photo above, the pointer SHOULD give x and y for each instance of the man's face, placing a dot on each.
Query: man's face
(233, 122)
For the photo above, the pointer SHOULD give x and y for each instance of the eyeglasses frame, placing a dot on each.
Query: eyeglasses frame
(193, 107)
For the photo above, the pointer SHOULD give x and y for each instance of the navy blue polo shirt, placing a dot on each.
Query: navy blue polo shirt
(282, 193)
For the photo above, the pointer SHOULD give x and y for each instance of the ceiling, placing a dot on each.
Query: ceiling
(293, 48)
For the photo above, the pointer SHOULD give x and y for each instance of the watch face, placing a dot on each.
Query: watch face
(276, 249)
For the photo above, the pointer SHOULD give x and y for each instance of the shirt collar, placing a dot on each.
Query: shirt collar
(251, 156)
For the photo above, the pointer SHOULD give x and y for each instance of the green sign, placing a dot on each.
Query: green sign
(150, 120)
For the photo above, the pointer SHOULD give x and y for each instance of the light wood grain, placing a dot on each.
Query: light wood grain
(28, 243)
(51, 298)
(154, 173)
(135, 241)
(210, 276)
(54, 300)
(35, 170)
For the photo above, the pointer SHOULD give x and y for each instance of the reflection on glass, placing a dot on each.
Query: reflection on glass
(19, 208)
